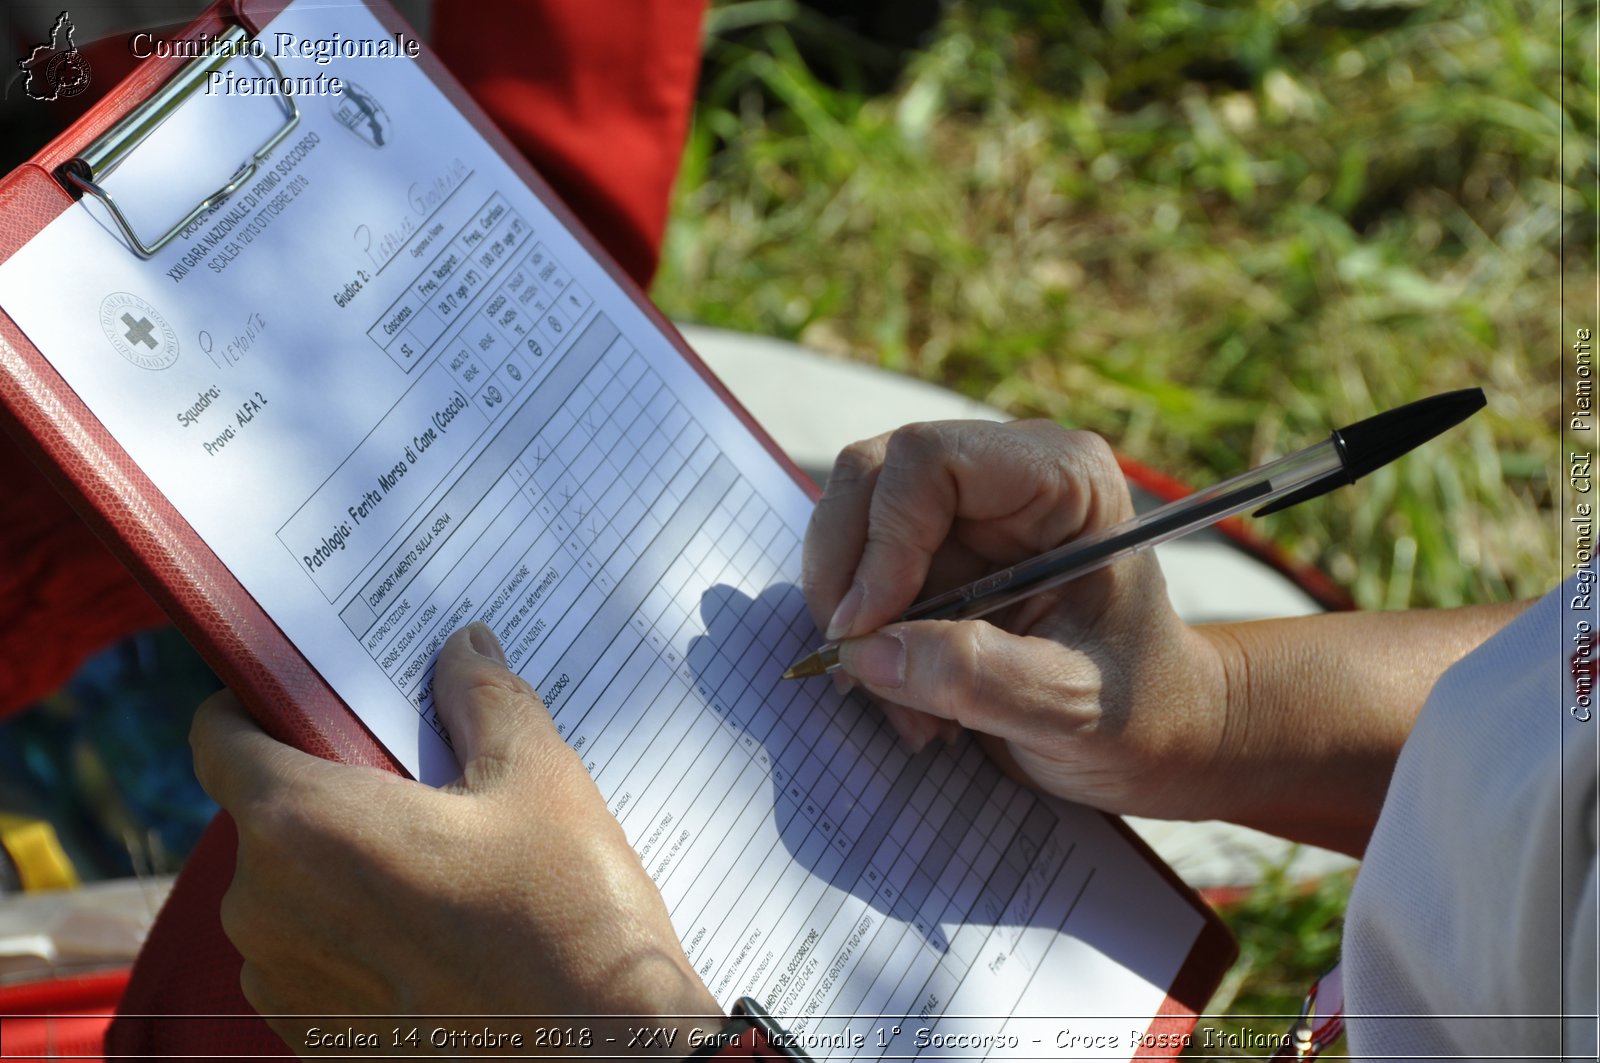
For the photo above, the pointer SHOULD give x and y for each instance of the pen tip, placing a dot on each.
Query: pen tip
(804, 668)
(810, 665)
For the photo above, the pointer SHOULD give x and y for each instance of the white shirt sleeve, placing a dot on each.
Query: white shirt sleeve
(1471, 932)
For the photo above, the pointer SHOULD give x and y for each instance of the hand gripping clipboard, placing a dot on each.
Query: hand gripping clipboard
(246, 648)
(54, 427)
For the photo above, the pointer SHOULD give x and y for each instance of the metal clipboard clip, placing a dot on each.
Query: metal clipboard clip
(100, 158)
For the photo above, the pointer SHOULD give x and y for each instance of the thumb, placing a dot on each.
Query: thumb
(1016, 687)
(498, 725)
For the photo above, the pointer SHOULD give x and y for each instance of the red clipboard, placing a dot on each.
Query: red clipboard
(53, 426)
(206, 601)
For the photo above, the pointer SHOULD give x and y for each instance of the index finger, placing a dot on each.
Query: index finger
(838, 528)
(1010, 490)
(236, 761)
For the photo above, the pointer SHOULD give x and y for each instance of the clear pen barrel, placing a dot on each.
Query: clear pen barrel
(1274, 480)
(1251, 490)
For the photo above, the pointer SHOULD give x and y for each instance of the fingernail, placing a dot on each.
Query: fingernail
(949, 732)
(845, 614)
(877, 660)
(484, 642)
(842, 684)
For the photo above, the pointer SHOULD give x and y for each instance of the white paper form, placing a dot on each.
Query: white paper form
(394, 395)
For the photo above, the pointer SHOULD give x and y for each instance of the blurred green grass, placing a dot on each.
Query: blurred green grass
(1288, 934)
(1209, 232)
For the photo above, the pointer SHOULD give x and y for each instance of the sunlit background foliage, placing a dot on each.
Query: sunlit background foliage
(1209, 231)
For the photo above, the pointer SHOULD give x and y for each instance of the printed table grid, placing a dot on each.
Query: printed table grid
(802, 774)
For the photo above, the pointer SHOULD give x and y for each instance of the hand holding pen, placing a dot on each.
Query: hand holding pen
(1091, 688)
(1348, 454)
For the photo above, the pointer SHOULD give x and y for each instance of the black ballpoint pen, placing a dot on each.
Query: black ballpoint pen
(1348, 454)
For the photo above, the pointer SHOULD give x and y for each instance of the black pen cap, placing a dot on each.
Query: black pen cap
(1380, 439)
(1376, 441)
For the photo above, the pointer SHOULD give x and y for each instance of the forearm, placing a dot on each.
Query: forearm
(1318, 708)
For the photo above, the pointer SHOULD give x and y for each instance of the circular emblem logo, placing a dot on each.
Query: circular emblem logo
(67, 74)
(360, 112)
(137, 331)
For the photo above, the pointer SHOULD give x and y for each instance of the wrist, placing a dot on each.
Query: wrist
(607, 949)
(662, 1008)
(1245, 757)
(1316, 711)
(1215, 761)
